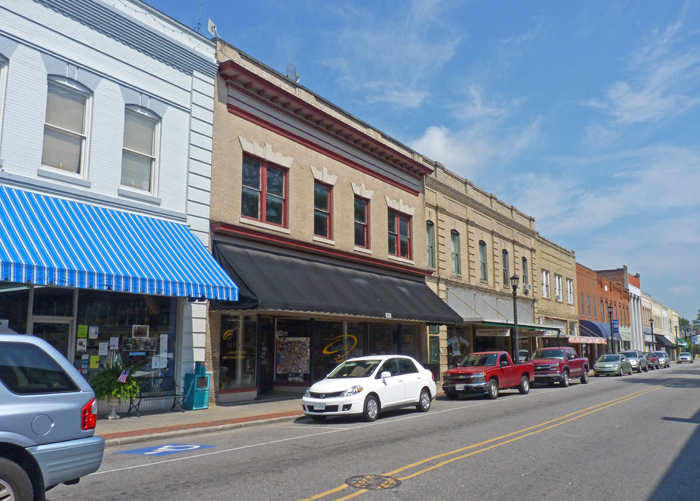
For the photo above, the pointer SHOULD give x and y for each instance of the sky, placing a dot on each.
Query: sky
(583, 115)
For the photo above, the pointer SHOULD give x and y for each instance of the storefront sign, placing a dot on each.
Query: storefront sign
(340, 346)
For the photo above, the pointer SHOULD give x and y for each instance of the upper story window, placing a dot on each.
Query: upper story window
(483, 261)
(430, 235)
(583, 306)
(323, 205)
(361, 222)
(525, 279)
(399, 234)
(139, 149)
(456, 265)
(569, 291)
(545, 283)
(66, 126)
(506, 270)
(588, 297)
(558, 288)
(264, 193)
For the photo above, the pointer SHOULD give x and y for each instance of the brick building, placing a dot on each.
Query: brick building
(320, 220)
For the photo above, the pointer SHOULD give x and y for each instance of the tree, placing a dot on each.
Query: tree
(683, 323)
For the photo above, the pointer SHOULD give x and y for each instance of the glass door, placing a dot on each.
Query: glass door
(56, 333)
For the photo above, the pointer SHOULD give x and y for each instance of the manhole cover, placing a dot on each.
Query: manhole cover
(373, 482)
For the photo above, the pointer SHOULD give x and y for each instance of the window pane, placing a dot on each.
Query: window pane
(405, 248)
(392, 222)
(360, 210)
(392, 245)
(274, 212)
(275, 182)
(139, 134)
(250, 203)
(136, 171)
(321, 224)
(61, 150)
(26, 369)
(251, 173)
(360, 240)
(405, 226)
(321, 197)
(65, 109)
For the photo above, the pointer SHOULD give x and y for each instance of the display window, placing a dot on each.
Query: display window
(335, 342)
(292, 351)
(238, 352)
(14, 305)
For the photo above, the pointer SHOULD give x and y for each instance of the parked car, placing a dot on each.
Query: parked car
(652, 360)
(685, 356)
(487, 373)
(365, 386)
(554, 365)
(664, 359)
(637, 360)
(612, 365)
(48, 415)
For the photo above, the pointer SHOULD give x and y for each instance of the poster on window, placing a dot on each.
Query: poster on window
(293, 355)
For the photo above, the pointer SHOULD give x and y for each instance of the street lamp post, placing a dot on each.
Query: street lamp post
(651, 321)
(610, 314)
(514, 283)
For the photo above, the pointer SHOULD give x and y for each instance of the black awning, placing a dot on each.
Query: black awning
(275, 281)
(663, 341)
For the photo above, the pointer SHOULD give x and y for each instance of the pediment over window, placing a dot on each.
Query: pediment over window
(265, 152)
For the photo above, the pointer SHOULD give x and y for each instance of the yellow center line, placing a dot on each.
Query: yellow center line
(578, 414)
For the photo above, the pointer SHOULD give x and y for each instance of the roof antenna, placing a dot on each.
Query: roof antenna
(211, 27)
(199, 21)
(292, 73)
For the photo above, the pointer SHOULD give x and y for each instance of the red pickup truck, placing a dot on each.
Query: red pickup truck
(487, 373)
(554, 365)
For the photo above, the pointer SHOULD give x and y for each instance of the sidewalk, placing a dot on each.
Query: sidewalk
(131, 429)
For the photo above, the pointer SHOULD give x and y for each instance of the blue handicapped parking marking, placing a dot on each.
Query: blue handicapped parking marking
(164, 450)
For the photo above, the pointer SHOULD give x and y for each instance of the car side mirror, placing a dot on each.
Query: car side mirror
(385, 374)
(504, 363)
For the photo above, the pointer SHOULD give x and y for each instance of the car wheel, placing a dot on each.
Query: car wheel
(493, 389)
(584, 377)
(452, 396)
(639, 369)
(565, 379)
(318, 419)
(14, 482)
(596, 375)
(423, 404)
(371, 409)
(646, 368)
(524, 387)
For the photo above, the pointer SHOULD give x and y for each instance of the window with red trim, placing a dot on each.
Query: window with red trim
(399, 234)
(323, 210)
(264, 193)
(361, 222)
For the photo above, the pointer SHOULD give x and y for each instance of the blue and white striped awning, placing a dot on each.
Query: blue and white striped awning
(51, 241)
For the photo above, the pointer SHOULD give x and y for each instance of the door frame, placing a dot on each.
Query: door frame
(70, 321)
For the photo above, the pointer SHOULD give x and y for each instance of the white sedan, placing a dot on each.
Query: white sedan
(685, 357)
(367, 385)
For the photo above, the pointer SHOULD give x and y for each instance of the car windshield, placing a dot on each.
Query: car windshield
(685, 353)
(356, 368)
(609, 358)
(659, 354)
(480, 360)
(540, 354)
(630, 354)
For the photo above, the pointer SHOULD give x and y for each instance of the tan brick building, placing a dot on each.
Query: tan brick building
(320, 220)
(556, 294)
(476, 243)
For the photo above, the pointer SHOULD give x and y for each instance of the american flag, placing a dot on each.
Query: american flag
(124, 375)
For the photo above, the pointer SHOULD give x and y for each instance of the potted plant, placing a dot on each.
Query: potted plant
(107, 385)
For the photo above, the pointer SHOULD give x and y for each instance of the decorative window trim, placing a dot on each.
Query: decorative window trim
(366, 225)
(391, 257)
(399, 206)
(363, 250)
(263, 194)
(361, 191)
(149, 116)
(328, 241)
(328, 213)
(546, 293)
(324, 176)
(569, 291)
(265, 152)
(266, 226)
(397, 236)
(558, 288)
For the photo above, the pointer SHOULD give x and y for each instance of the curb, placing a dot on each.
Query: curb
(197, 430)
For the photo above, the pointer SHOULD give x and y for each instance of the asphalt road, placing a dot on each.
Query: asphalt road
(616, 438)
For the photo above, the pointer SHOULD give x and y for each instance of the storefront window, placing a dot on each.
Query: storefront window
(14, 304)
(293, 351)
(383, 339)
(135, 329)
(331, 346)
(458, 345)
(238, 349)
(52, 302)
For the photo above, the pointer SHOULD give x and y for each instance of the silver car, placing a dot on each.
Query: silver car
(637, 360)
(47, 420)
(685, 357)
(664, 359)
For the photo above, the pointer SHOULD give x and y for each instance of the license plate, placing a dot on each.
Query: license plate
(319, 407)
(459, 387)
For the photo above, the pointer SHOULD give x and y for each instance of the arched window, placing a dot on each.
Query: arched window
(430, 234)
(456, 268)
(506, 270)
(483, 261)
